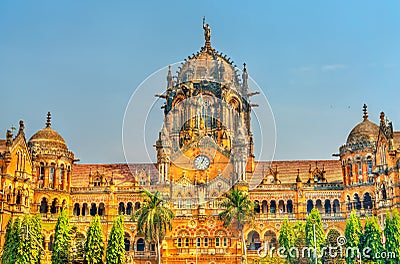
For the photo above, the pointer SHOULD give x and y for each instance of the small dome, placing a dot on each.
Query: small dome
(366, 131)
(48, 138)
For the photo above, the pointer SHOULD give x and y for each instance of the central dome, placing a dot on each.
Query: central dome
(209, 65)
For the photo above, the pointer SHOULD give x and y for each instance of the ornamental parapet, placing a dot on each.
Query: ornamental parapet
(357, 146)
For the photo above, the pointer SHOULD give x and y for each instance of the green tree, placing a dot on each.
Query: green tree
(30, 243)
(352, 234)
(11, 242)
(77, 252)
(372, 239)
(153, 219)
(62, 240)
(286, 238)
(392, 235)
(315, 236)
(299, 240)
(115, 253)
(239, 210)
(331, 243)
(94, 245)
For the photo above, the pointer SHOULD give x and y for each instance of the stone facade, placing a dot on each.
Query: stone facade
(43, 176)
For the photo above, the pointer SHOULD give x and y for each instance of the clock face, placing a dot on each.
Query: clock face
(201, 162)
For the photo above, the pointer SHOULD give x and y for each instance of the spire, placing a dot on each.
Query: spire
(48, 123)
(365, 116)
(245, 77)
(298, 176)
(382, 118)
(170, 80)
(207, 34)
(21, 126)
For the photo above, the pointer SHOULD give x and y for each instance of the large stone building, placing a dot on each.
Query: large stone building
(204, 148)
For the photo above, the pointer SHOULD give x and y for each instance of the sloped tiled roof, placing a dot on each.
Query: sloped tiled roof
(123, 173)
(288, 170)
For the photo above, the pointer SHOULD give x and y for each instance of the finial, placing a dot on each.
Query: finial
(9, 136)
(21, 126)
(298, 176)
(245, 76)
(170, 80)
(207, 33)
(382, 117)
(365, 116)
(48, 123)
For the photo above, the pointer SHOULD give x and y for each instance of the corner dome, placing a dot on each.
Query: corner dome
(48, 138)
(366, 131)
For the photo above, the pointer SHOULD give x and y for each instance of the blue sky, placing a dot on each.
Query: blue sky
(317, 62)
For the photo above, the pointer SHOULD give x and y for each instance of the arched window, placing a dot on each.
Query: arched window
(264, 207)
(54, 206)
(140, 244)
(51, 176)
(281, 206)
(129, 208)
(102, 209)
(384, 194)
(273, 207)
(93, 209)
(357, 203)
(137, 206)
(77, 209)
(41, 171)
(318, 205)
(127, 242)
(84, 209)
(18, 198)
(44, 207)
(289, 206)
(310, 206)
(367, 201)
(349, 205)
(270, 239)
(256, 207)
(253, 240)
(121, 208)
(336, 206)
(327, 206)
